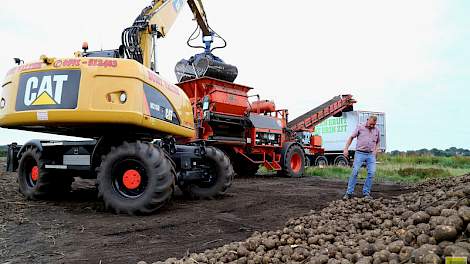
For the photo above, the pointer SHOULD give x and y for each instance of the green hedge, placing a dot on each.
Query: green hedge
(462, 162)
(3, 151)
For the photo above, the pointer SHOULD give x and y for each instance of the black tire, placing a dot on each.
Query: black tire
(221, 180)
(321, 161)
(154, 187)
(341, 161)
(293, 162)
(46, 183)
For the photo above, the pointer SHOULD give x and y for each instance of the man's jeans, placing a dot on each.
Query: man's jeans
(359, 158)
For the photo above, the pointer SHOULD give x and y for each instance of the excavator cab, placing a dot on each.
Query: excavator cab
(113, 53)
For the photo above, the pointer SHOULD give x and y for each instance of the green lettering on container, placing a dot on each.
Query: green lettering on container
(332, 125)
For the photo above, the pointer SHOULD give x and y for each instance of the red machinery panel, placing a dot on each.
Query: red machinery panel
(263, 106)
(225, 97)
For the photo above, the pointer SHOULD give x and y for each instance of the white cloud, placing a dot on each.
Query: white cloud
(299, 53)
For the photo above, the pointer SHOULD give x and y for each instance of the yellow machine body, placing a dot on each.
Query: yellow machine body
(89, 97)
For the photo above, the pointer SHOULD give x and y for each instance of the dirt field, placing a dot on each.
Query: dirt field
(78, 230)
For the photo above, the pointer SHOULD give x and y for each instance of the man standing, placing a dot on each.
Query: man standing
(368, 139)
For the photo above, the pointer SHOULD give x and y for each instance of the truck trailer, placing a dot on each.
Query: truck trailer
(335, 131)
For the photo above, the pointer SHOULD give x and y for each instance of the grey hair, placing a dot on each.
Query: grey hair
(372, 117)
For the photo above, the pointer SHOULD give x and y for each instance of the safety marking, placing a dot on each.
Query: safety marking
(42, 116)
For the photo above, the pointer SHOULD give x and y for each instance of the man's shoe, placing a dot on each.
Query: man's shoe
(367, 197)
(347, 196)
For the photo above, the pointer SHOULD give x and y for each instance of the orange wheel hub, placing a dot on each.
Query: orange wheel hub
(35, 173)
(131, 179)
(295, 162)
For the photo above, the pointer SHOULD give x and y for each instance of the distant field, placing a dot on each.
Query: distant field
(3, 151)
(399, 169)
(403, 169)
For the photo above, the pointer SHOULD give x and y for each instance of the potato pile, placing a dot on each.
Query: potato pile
(418, 227)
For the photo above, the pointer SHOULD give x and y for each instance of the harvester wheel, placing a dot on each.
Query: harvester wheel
(35, 182)
(136, 178)
(293, 162)
(220, 178)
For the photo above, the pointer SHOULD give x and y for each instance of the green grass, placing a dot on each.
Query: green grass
(402, 169)
(3, 151)
(462, 162)
(399, 169)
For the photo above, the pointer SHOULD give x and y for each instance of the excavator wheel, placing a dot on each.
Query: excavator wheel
(35, 182)
(293, 162)
(220, 179)
(136, 178)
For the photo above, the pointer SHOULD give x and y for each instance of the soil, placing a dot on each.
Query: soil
(77, 228)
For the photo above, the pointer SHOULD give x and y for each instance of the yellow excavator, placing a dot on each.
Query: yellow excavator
(133, 116)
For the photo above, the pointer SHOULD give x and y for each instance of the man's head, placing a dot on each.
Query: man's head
(371, 121)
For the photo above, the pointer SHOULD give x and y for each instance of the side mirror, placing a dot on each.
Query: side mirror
(121, 51)
(18, 61)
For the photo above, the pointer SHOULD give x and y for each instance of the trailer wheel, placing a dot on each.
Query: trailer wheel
(135, 178)
(294, 162)
(321, 161)
(35, 182)
(341, 161)
(220, 178)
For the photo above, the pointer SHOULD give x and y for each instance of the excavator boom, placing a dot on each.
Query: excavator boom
(155, 21)
(163, 13)
(200, 15)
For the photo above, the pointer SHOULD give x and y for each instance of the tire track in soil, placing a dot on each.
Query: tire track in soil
(77, 229)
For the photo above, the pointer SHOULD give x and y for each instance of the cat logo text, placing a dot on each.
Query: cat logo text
(44, 91)
(57, 89)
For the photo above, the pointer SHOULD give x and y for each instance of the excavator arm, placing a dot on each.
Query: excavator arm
(163, 13)
(155, 21)
(200, 15)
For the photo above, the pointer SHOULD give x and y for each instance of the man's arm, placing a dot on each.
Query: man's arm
(377, 146)
(348, 143)
(346, 148)
(376, 149)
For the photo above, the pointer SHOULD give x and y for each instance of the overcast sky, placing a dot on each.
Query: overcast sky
(409, 59)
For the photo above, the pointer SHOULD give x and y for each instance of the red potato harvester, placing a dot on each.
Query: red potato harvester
(256, 133)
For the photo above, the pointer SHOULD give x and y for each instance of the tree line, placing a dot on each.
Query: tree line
(450, 152)
(3, 151)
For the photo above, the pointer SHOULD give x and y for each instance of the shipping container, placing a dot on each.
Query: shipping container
(335, 131)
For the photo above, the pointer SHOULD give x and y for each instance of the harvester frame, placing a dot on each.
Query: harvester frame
(256, 133)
